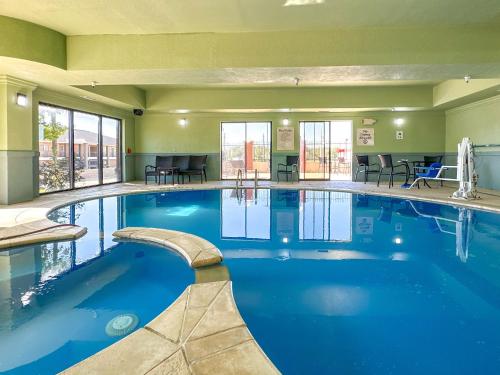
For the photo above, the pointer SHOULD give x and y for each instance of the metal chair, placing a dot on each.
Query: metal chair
(291, 166)
(364, 167)
(386, 163)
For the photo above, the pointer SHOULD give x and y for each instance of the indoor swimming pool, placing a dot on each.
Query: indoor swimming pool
(327, 281)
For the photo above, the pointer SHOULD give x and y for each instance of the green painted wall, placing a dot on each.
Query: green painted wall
(340, 47)
(479, 121)
(29, 41)
(424, 132)
(310, 98)
(16, 152)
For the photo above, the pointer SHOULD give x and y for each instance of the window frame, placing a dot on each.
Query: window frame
(245, 177)
(71, 147)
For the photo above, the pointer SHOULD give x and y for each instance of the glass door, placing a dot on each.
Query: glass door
(53, 142)
(341, 150)
(77, 149)
(86, 138)
(245, 146)
(110, 150)
(314, 150)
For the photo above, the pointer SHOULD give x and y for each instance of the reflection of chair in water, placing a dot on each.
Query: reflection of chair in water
(462, 232)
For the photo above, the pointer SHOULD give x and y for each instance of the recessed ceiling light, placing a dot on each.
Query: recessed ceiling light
(290, 3)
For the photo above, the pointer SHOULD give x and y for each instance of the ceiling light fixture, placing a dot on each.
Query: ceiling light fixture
(290, 3)
(183, 122)
(286, 122)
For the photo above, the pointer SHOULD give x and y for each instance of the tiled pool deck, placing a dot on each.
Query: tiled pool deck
(202, 332)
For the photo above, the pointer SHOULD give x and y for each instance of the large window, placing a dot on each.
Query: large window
(77, 149)
(245, 146)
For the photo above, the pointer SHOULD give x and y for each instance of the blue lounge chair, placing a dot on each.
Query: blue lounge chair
(428, 173)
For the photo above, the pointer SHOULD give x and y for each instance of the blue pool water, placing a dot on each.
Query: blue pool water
(328, 282)
(55, 301)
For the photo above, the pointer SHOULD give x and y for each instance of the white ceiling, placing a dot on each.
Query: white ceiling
(81, 17)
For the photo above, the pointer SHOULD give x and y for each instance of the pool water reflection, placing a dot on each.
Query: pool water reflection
(332, 282)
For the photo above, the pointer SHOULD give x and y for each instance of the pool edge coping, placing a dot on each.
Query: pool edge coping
(173, 337)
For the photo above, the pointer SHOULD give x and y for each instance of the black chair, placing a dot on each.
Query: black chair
(364, 167)
(386, 163)
(162, 164)
(196, 167)
(292, 165)
(181, 163)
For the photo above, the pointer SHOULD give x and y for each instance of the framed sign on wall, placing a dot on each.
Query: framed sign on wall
(285, 139)
(365, 137)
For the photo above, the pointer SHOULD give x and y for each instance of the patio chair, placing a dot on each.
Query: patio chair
(181, 164)
(291, 166)
(196, 167)
(364, 167)
(162, 165)
(428, 160)
(430, 172)
(386, 163)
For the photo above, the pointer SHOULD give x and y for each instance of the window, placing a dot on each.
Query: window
(77, 149)
(245, 146)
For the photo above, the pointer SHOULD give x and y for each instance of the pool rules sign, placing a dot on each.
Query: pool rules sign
(366, 137)
(285, 139)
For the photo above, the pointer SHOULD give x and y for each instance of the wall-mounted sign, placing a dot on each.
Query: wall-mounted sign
(366, 137)
(285, 139)
(399, 135)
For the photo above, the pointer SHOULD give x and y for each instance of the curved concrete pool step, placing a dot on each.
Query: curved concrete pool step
(197, 251)
(44, 230)
(202, 332)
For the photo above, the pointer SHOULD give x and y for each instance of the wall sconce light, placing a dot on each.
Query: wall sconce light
(21, 100)
(399, 121)
(183, 122)
(286, 122)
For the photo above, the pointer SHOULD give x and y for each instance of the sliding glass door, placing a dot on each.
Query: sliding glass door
(245, 146)
(86, 143)
(314, 150)
(111, 166)
(326, 150)
(53, 141)
(77, 149)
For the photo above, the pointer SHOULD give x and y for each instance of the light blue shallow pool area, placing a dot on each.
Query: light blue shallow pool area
(328, 282)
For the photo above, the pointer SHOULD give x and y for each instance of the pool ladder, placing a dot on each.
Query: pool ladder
(239, 179)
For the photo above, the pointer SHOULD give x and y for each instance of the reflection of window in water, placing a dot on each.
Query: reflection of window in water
(244, 215)
(57, 258)
(325, 215)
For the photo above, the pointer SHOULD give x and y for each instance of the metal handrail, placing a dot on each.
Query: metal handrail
(239, 178)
